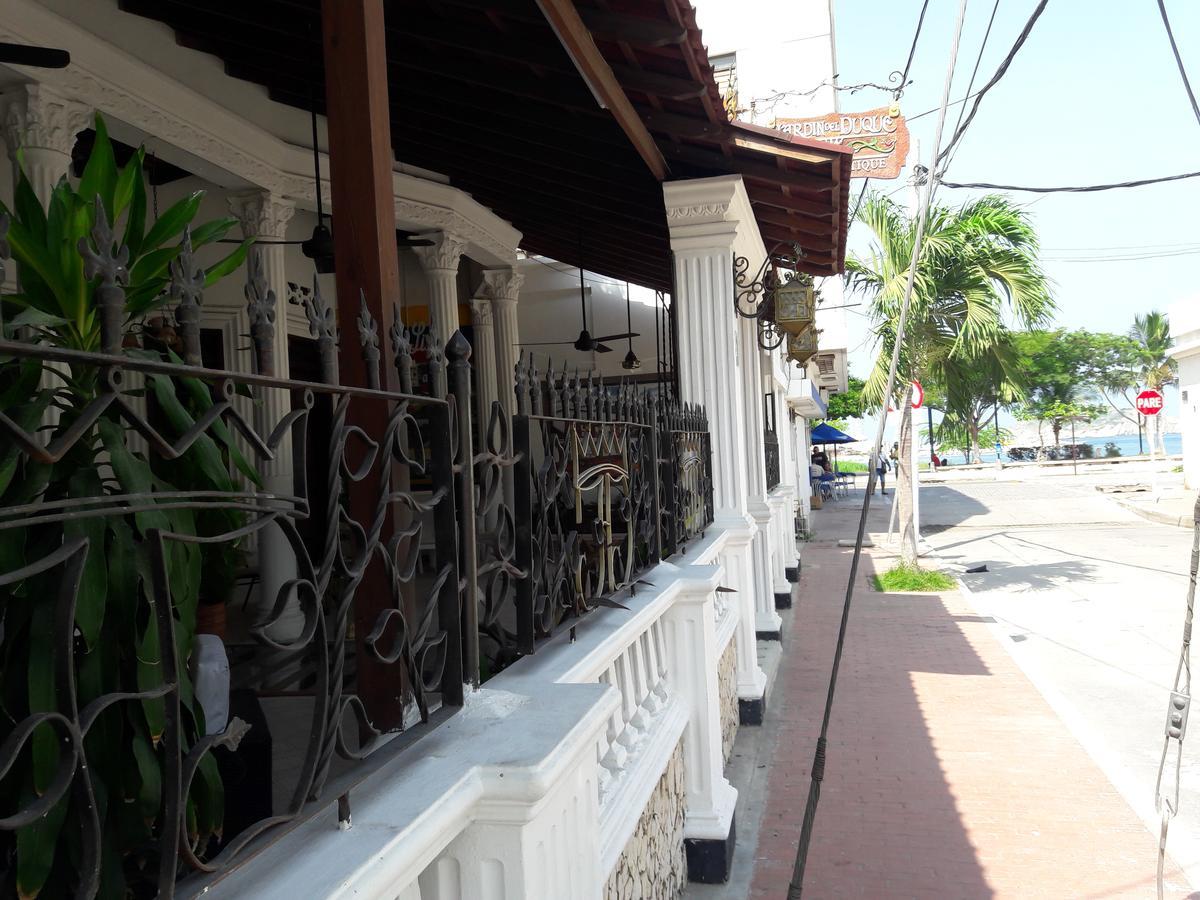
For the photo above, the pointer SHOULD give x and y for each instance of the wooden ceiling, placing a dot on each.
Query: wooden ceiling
(484, 92)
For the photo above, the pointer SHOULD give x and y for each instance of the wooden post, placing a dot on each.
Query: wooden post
(364, 234)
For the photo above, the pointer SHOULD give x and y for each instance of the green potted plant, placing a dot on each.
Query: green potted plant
(115, 637)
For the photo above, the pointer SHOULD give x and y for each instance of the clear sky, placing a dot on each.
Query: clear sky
(1093, 96)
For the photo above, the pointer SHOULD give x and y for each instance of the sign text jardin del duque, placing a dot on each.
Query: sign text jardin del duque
(879, 138)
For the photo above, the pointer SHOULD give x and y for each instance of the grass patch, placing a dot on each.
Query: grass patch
(909, 579)
(845, 466)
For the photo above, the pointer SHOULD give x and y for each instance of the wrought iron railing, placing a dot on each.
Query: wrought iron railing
(771, 458)
(416, 562)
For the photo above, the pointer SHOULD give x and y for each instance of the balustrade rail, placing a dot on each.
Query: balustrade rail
(142, 496)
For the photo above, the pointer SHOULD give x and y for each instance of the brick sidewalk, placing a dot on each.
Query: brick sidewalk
(947, 775)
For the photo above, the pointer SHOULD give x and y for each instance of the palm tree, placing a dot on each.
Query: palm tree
(1152, 335)
(978, 265)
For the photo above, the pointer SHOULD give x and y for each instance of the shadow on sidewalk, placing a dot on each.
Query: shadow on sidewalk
(887, 824)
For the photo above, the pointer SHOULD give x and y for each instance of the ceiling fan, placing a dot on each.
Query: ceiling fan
(319, 245)
(28, 55)
(586, 343)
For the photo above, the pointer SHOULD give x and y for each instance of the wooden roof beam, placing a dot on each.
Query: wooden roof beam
(797, 224)
(611, 26)
(748, 168)
(654, 84)
(677, 126)
(577, 40)
(761, 195)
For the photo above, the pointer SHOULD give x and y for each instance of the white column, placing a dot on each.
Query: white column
(440, 262)
(766, 619)
(483, 356)
(692, 659)
(783, 497)
(43, 125)
(503, 287)
(707, 218)
(265, 215)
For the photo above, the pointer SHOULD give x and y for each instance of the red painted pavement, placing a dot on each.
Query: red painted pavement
(947, 775)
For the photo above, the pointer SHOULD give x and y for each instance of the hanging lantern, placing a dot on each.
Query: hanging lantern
(803, 346)
(795, 304)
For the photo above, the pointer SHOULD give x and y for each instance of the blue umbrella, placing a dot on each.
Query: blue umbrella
(827, 434)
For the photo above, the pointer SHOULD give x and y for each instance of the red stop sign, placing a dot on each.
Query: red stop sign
(1149, 403)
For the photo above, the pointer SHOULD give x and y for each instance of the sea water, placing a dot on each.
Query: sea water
(1126, 443)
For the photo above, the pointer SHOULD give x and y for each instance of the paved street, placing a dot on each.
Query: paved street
(986, 745)
(1090, 600)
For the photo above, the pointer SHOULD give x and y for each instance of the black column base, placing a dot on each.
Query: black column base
(792, 573)
(783, 599)
(776, 635)
(709, 860)
(751, 712)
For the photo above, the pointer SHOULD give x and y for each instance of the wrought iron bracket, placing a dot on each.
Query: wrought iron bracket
(754, 296)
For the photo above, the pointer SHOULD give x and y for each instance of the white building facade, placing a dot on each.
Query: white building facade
(595, 765)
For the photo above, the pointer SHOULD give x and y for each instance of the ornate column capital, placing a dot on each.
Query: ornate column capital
(501, 285)
(481, 312)
(445, 252)
(38, 117)
(262, 214)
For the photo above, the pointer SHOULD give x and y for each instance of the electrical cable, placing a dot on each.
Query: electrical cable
(974, 71)
(1187, 85)
(1080, 189)
(903, 80)
(1166, 803)
(818, 765)
(995, 79)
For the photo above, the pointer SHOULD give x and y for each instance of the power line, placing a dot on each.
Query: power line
(927, 112)
(903, 79)
(1187, 85)
(817, 772)
(1079, 189)
(1003, 68)
(975, 71)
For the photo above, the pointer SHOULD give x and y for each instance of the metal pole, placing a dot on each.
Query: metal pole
(1074, 451)
(1141, 448)
(929, 410)
(996, 427)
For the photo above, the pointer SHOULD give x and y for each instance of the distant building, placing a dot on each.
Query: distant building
(1185, 330)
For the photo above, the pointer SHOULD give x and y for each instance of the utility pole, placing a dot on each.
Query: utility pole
(929, 411)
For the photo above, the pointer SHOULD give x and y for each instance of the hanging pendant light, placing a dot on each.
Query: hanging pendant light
(631, 360)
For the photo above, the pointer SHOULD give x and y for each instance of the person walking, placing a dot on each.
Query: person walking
(882, 466)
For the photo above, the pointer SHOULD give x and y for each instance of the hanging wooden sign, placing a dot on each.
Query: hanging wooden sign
(878, 137)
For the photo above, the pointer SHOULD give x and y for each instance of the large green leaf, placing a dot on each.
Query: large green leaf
(172, 221)
(40, 691)
(203, 452)
(92, 595)
(100, 174)
(34, 257)
(149, 676)
(209, 795)
(199, 395)
(150, 266)
(127, 183)
(135, 222)
(132, 472)
(150, 793)
(211, 231)
(233, 261)
(28, 208)
(35, 850)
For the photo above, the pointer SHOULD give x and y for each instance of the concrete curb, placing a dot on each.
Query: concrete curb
(1155, 515)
